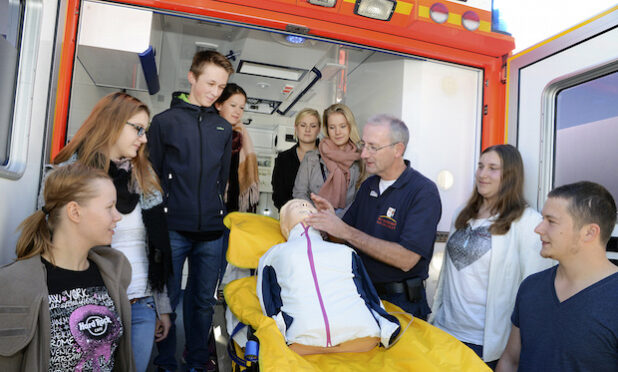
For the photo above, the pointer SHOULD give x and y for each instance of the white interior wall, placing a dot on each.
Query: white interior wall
(375, 87)
(441, 106)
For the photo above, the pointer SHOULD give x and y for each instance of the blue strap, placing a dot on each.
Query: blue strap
(230, 347)
(238, 327)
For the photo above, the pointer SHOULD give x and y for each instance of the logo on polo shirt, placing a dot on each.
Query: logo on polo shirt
(390, 212)
(387, 220)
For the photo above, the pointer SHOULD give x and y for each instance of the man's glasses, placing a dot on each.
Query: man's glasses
(373, 149)
(140, 130)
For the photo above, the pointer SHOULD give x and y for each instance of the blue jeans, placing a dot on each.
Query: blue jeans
(226, 241)
(143, 322)
(198, 299)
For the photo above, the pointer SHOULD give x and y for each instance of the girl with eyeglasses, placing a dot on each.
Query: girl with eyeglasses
(335, 170)
(113, 139)
(63, 302)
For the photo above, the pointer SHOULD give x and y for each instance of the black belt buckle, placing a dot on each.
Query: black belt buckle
(414, 289)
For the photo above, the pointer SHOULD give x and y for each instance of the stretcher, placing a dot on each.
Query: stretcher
(421, 347)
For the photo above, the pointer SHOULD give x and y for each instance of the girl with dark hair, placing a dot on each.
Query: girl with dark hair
(491, 249)
(113, 139)
(242, 192)
(63, 302)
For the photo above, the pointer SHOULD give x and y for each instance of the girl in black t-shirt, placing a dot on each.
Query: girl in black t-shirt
(66, 291)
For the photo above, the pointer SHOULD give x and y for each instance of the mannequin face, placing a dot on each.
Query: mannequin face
(294, 212)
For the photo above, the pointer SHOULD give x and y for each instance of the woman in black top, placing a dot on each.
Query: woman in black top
(306, 129)
(63, 301)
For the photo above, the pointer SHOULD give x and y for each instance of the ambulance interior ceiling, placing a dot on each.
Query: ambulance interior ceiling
(271, 100)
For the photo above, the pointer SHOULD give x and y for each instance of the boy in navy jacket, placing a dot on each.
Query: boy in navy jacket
(190, 149)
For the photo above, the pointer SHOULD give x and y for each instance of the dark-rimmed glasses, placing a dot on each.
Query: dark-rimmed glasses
(140, 130)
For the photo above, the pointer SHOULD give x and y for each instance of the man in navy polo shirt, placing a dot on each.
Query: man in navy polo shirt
(392, 221)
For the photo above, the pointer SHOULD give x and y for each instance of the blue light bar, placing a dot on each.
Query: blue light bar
(295, 39)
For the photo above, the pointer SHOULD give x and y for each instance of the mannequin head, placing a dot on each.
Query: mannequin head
(294, 212)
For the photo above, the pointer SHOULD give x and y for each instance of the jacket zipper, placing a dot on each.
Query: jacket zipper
(317, 286)
(199, 181)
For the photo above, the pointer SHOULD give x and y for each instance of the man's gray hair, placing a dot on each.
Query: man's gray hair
(399, 129)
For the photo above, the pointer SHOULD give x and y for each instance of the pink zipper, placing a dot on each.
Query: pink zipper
(315, 282)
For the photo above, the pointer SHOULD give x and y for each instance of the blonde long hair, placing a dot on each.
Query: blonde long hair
(63, 185)
(354, 133)
(340, 108)
(99, 133)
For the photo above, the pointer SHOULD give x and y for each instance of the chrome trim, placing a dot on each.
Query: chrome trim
(548, 119)
(530, 56)
(22, 112)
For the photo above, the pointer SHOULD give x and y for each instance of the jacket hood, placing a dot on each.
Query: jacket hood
(179, 101)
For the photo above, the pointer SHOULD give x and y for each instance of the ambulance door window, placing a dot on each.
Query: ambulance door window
(11, 15)
(586, 133)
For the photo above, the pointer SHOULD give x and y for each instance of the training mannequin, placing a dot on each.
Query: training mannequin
(319, 293)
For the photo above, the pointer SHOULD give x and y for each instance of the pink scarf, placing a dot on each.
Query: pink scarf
(338, 163)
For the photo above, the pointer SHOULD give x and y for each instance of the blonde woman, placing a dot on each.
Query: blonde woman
(333, 171)
(63, 302)
(306, 128)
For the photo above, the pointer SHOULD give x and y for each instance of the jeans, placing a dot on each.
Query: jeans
(226, 241)
(143, 321)
(198, 299)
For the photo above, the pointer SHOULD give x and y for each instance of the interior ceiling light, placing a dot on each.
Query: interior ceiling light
(326, 3)
(272, 71)
(438, 12)
(470, 20)
(377, 9)
(295, 39)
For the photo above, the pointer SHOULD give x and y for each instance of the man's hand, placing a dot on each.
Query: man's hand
(162, 327)
(329, 223)
(321, 204)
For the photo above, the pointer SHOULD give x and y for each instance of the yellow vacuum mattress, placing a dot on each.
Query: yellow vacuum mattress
(422, 347)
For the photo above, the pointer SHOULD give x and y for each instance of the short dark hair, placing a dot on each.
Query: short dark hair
(230, 90)
(209, 56)
(589, 202)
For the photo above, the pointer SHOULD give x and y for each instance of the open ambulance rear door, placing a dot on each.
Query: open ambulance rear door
(562, 109)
